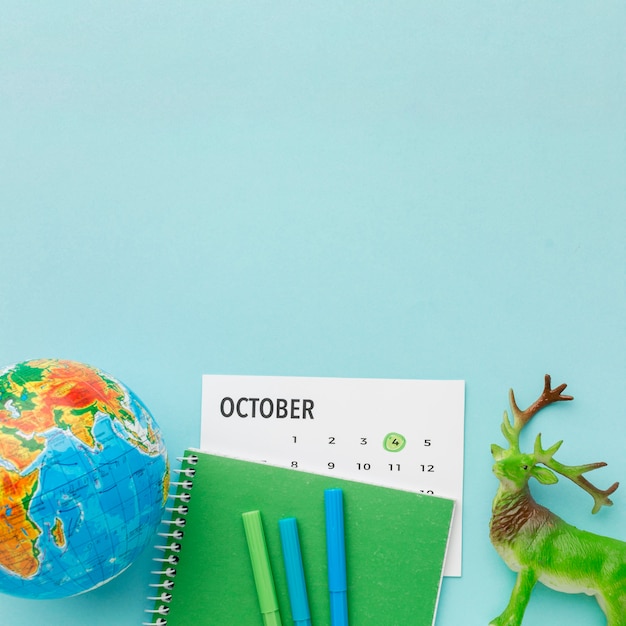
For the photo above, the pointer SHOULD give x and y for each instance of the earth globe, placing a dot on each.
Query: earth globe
(83, 478)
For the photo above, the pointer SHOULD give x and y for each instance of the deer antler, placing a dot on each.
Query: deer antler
(511, 432)
(575, 474)
(548, 396)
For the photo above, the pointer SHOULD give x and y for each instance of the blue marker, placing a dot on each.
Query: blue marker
(296, 585)
(335, 546)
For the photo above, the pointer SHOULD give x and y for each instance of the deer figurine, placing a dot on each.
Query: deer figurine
(536, 543)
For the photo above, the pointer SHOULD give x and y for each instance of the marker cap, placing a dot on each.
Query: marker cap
(296, 585)
(261, 569)
(333, 499)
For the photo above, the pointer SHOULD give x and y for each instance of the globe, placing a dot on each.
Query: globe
(83, 478)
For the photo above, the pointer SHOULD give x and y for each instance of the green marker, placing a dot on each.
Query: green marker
(261, 568)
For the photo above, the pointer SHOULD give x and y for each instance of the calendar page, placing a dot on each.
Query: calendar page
(406, 434)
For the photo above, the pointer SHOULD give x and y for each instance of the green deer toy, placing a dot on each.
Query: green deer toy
(536, 543)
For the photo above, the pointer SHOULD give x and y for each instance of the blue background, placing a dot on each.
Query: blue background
(407, 189)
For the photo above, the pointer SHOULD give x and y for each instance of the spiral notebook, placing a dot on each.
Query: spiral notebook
(395, 546)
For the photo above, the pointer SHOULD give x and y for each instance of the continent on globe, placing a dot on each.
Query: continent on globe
(18, 550)
(83, 477)
(23, 451)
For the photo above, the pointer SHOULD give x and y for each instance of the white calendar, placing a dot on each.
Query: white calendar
(406, 434)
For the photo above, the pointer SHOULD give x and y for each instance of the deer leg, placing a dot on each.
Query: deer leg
(514, 612)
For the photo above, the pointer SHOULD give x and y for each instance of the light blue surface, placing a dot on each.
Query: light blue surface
(400, 189)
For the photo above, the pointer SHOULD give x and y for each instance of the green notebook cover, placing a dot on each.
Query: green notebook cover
(395, 547)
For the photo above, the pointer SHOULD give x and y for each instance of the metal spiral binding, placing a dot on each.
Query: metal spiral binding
(172, 534)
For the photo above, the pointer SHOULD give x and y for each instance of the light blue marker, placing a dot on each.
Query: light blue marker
(335, 546)
(296, 585)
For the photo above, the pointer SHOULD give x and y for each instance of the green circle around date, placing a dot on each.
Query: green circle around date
(394, 442)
